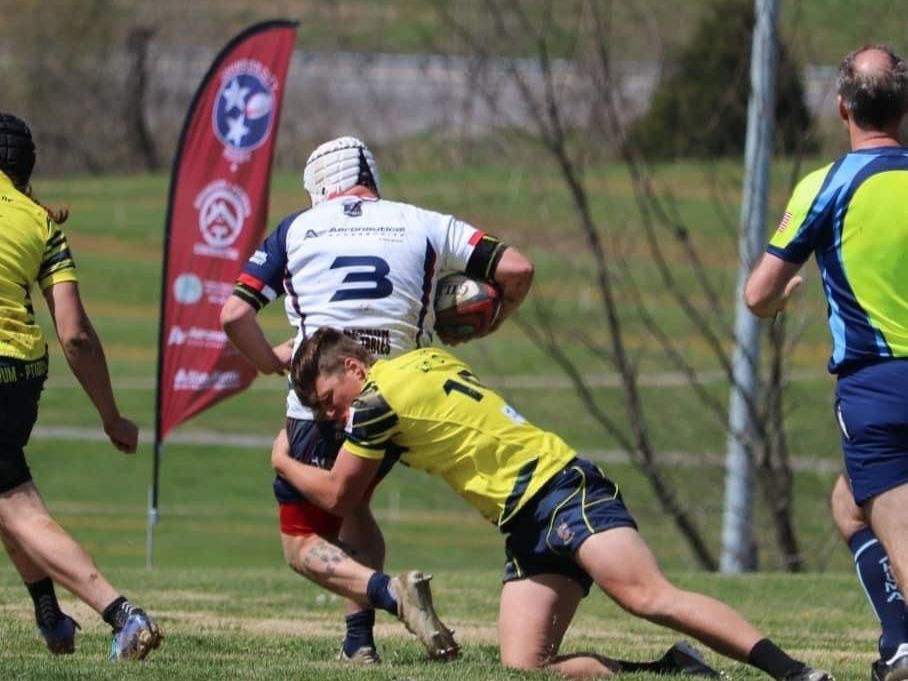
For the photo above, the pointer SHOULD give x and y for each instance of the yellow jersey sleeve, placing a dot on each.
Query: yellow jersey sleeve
(800, 214)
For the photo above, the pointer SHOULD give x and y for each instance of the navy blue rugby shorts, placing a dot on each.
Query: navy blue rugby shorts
(316, 443)
(872, 411)
(21, 384)
(576, 503)
(313, 442)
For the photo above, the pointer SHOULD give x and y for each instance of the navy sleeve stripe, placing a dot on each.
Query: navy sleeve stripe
(251, 296)
(485, 257)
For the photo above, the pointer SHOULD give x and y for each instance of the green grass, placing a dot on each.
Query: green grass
(233, 610)
(269, 624)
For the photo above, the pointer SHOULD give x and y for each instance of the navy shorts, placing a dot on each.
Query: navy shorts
(313, 442)
(576, 503)
(21, 384)
(317, 444)
(872, 412)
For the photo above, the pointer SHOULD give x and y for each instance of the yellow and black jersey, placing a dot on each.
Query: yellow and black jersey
(428, 408)
(32, 250)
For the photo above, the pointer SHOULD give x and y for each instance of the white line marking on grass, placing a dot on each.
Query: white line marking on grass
(658, 379)
(211, 438)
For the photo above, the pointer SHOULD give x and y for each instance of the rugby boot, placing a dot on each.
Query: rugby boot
(138, 637)
(414, 608)
(61, 637)
(683, 658)
(363, 655)
(895, 669)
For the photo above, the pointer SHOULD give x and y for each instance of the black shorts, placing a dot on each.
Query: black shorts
(21, 384)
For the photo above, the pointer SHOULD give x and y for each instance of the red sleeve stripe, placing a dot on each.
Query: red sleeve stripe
(477, 236)
(251, 282)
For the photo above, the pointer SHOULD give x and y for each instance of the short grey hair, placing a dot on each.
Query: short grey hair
(874, 98)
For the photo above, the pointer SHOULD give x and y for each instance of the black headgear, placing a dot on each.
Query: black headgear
(17, 150)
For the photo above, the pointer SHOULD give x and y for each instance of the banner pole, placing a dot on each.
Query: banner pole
(153, 514)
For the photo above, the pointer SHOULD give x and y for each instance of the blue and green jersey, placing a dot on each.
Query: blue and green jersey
(853, 215)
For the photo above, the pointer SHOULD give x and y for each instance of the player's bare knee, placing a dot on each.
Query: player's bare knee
(296, 552)
(651, 603)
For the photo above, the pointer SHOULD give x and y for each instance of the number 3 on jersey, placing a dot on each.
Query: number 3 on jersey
(368, 269)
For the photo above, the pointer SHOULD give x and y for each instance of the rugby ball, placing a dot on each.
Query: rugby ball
(465, 307)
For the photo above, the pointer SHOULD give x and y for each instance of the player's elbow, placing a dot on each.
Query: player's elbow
(233, 312)
(759, 302)
(515, 274)
(518, 266)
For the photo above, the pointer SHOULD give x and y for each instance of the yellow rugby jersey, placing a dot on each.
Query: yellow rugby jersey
(427, 407)
(32, 250)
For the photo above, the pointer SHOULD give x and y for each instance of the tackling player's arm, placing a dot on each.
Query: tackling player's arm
(338, 490)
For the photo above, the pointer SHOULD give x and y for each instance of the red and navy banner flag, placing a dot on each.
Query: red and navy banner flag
(216, 217)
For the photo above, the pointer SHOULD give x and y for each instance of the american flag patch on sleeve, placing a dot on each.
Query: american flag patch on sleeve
(783, 223)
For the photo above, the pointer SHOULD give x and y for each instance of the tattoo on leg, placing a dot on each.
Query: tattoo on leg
(329, 554)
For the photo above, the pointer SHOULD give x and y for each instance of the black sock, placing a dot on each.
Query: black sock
(379, 593)
(117, 613)
(767, 656)
(47, 610)
(359, 631)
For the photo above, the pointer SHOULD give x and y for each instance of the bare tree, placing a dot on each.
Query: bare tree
(576, 111)
(140, 137)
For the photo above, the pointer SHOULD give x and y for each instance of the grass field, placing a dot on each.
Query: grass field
(232, 610)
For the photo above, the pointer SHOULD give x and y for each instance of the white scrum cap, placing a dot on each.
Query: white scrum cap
(338, 165)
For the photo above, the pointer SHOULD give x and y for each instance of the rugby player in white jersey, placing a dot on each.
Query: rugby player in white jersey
(368, 267)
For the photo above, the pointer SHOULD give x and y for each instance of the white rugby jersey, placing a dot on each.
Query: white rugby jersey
(365, 266)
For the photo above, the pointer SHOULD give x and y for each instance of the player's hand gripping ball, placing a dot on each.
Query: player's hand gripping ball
(465, 308)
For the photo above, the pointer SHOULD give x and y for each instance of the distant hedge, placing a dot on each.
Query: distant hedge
(699, 108)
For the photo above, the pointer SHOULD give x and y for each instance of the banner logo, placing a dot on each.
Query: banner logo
(187, 289)
(223, 208)
(244, 108)
(190, 379)
(198, 338)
